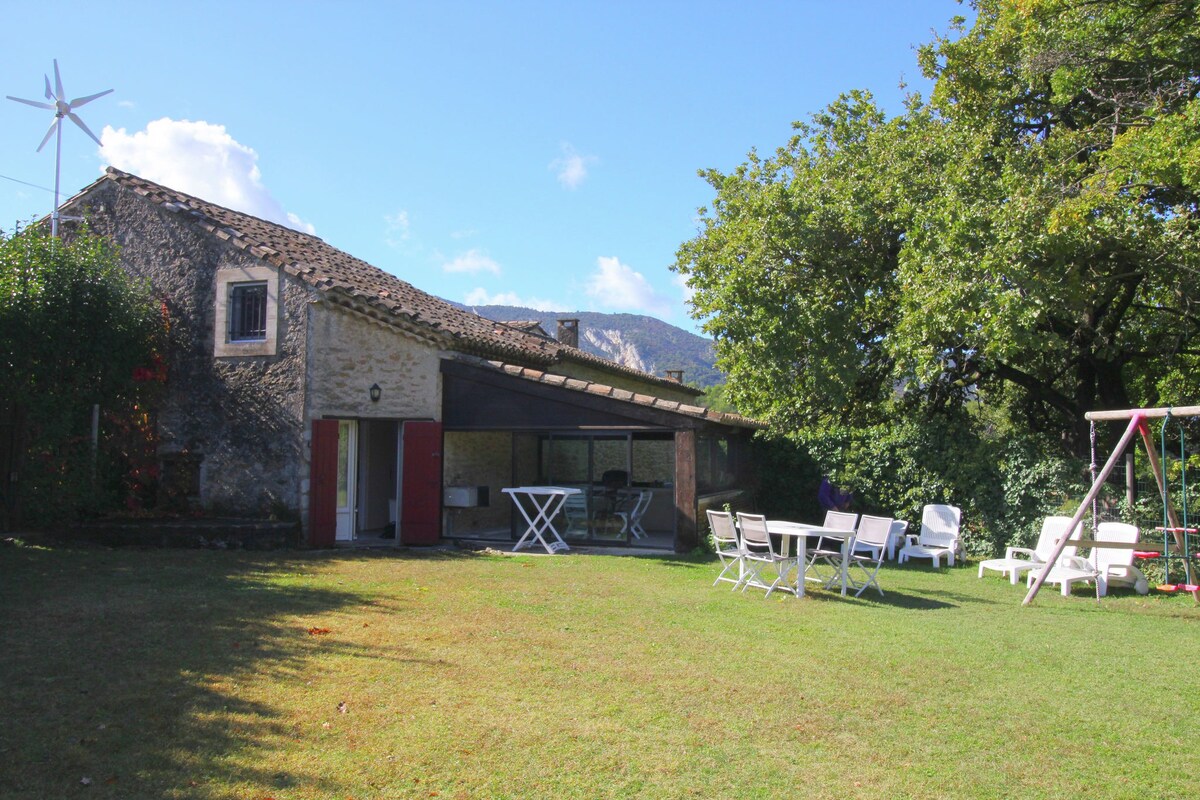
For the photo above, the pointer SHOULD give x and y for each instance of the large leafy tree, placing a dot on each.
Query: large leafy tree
(75, 330)
(1027, 235)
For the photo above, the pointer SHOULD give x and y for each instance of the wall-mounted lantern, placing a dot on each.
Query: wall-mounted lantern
(375, 392)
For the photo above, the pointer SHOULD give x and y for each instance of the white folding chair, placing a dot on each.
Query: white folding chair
(827, 551)
(872, 534)
(631, 520)
(576, 511)
(761, 556)
(729, 547)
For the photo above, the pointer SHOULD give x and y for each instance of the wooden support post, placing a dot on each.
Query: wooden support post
(1145, 413)
(685, 491)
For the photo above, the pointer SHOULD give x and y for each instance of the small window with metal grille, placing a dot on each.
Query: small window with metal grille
(248, 312)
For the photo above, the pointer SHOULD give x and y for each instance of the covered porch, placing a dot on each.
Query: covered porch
(644, 466)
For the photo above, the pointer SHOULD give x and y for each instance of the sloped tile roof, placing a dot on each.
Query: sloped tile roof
(528, 325)
(345, 277)
(601, 390)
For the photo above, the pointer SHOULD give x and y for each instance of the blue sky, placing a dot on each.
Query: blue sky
(524, 153)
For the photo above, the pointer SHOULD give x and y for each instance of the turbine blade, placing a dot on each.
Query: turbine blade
(75, 118)
(49, 94)
(79, 101)
(34, 103)
(49, 133)
(57, 82)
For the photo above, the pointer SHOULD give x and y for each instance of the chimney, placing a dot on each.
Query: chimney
(568, 332)
(675, 375)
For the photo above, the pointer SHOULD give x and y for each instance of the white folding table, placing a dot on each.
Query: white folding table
(546, 502)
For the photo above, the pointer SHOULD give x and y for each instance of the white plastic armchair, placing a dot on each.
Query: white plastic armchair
(939, 536)
(1021, 559)
(895, 536)
(1107, 566)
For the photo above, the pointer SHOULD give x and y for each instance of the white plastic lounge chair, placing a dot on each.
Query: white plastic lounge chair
(1106, 567)
(872, 535)
(762, 560)
(1019, 559)
(938, 537)
(631, 520)
(729, 547)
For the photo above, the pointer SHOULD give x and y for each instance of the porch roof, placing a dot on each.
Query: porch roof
(631, 401)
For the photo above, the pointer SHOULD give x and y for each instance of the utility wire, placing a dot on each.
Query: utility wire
(26, 183)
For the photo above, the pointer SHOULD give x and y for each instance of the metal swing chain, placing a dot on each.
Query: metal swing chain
(1183, 491)
(1092, 470)
(1166, 498)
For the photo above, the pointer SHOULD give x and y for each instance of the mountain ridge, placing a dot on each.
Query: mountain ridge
(633, 340)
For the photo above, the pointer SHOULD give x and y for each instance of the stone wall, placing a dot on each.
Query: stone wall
(347, 354)
(478, 459)
(241, 418)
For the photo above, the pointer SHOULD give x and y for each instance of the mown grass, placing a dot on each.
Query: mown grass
(210, 675)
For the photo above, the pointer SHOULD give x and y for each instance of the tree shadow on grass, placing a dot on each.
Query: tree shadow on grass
(122, 667)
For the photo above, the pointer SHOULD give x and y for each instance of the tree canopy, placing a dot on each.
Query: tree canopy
(1026, 235)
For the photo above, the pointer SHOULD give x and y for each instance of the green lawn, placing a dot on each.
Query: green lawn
(208, 674)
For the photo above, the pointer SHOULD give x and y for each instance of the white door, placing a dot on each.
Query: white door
(347, 478)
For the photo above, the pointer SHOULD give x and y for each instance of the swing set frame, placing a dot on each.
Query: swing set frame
(1137, 424)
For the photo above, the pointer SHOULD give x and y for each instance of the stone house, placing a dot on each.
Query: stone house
(305, 382)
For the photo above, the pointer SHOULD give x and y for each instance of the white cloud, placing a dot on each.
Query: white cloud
(473, 262)
(571, 168)
(397, 231)
(200, 159)
(480, 297)
(617, 286)
(681, 281)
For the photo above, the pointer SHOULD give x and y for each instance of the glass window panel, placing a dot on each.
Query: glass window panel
(343, 469)
(248, 312)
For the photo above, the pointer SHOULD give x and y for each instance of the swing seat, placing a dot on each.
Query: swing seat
(1179, 587)
(1147, 554)
(1178, 530)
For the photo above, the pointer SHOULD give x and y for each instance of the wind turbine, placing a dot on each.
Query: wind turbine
(61, 108)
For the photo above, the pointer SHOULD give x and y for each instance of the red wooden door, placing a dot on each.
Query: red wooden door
(421, 483)
(322, 483)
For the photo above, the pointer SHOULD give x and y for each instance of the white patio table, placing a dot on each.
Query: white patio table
(800, 531)
(546, 501)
